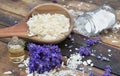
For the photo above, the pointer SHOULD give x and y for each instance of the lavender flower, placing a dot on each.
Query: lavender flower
(44, 58)
(84, 51)
(107, 71)
(91, 42)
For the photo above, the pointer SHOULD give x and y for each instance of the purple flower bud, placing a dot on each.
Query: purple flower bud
(91, 42)
(107, 71)
(84, 51)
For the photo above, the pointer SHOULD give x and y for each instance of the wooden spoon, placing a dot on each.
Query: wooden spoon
(21, 29)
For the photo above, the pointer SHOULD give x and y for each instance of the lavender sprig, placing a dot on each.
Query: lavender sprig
(84, 51)
(44, 57)
(91, 42)
(107, 71)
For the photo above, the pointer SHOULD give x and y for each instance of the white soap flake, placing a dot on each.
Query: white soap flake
(110, 55)
(30, 74)
(91, 64)
(7, 72)
(85, 63)
(92, 54)
(66, 44)
(21, 65)
(109, 50)
(89, 61)
(70, 50)
(115, 41)
(76, 49)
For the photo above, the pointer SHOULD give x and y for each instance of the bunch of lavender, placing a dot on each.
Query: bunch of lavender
(44, 57)
(107, 71)
(85, 50)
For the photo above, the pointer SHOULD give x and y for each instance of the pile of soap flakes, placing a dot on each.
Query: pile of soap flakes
(75, 66)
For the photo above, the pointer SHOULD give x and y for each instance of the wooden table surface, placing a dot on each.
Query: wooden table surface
(11, 12)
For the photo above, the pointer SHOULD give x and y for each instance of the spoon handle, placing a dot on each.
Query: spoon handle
(17, 30)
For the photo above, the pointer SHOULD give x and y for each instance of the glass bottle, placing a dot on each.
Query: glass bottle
(93, 22)
(16, 50)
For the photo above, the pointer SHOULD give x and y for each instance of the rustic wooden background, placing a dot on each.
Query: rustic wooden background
(11, 12)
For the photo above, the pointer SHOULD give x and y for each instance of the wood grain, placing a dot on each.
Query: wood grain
(10, 12)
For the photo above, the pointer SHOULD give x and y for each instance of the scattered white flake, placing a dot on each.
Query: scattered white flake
(109, 50)
(72, 39)
(25, 62)
(21, 65)
(66, 44)
(30, 74)
(57, 73)
(8, 72)
(74, 61)
(92, 54)
(27, 70)
(62, 65)
(65, 73)
(115, 41)
(91, 64)
(85, 63)
(70, 50)
(76, 49)
(89, 61)
(110, 55)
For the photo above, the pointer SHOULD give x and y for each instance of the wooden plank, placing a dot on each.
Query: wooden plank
(21, 7)
(9, 19)
(18, 13)
(101, 49)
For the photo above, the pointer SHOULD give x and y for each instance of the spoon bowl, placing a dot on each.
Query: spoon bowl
(22, 30)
